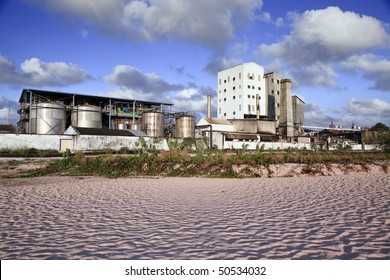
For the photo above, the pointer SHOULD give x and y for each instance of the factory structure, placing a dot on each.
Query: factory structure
(253, 108)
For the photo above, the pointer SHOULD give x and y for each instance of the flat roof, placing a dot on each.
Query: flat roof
(57, 95)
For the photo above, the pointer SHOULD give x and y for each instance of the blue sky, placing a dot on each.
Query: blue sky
(336, 52)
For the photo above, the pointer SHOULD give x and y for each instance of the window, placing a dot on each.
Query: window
(219, 91)
(228, 79)
(278, 81)
(239, 96)
(224, 114)
(224, 90)
(239, 86)
(258, 108)
(272, 91)
(253, 87)
(219, 81)
(259, 88)
(234, 112)
(249, 108)
(259, 78)
(249, 86)
(224, 99)
(234, 78)
(278, 92)
(220, 100)
(249, 96)
(278, 105)
(224, 81)
(253, 97)
(253, 108)
(220, 110)
(272, 80)
(239, 107)
(234, 88)
(234, 97)
(239, 75)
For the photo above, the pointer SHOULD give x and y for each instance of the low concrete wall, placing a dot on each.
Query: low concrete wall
(89, 142)
(27, 141)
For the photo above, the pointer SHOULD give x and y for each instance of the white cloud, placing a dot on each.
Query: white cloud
(36, 72)
(132, 83)
(374, 68)
(8, 110)
(209, 22)
(316, 116)
(217, 64)
(322, 38)
(127, 76)
(369, 107)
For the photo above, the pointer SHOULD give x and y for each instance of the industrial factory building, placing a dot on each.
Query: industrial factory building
(258, 107)
(253, 108)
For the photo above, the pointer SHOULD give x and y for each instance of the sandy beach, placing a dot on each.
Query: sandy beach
(325, 217)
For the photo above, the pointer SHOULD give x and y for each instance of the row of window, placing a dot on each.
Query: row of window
(250, 77)
(239, 109)
(234, 97)
(249, 87)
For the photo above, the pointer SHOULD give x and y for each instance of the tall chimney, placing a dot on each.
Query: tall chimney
(286, 114)
(209, 106)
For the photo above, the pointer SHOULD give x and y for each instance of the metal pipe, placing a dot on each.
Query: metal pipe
(29, 115)
(109, 115)
(134, 114)
(257, 106)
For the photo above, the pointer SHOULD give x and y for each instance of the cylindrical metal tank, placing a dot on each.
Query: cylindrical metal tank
(185, 126)
(153, 124)
(87, 116)
(47, 118)
(135, 126)
(122, 126)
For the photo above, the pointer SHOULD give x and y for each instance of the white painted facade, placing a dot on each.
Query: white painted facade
(238, 88)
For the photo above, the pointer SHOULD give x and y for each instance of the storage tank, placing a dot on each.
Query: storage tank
(87, 116)
(122, 126)
(185, 126)
(153, 124)
(47, 118)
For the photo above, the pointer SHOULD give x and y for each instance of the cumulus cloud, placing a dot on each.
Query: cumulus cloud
(374, 68)
(35, 72)
(316, 116)
(217, 64)
(132, 83)
(369, 107)
(8, 110)
(209, 22)
(126, 76)
(321, 38)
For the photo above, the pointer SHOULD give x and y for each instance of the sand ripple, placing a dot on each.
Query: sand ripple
(338, 217)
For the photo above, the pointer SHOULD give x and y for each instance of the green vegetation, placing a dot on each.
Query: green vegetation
(213, 163)
(383, 135)
(29, 153)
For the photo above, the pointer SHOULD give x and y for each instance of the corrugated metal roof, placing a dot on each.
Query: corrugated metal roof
(241, 136)
(217, 121)
(103, 131)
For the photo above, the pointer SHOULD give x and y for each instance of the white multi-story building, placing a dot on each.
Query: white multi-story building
(241, 92)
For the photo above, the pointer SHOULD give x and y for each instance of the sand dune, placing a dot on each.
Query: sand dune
(337, 217)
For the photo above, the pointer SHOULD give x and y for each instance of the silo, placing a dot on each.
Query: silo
(122, 126)
(153, 124)
(185, 126)
(47, 118)
(87, 116)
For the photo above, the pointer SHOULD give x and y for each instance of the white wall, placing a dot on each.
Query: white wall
(234, 82)
(27, 141)
(89, 142)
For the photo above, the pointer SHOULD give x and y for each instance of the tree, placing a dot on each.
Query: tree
(380, 127)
